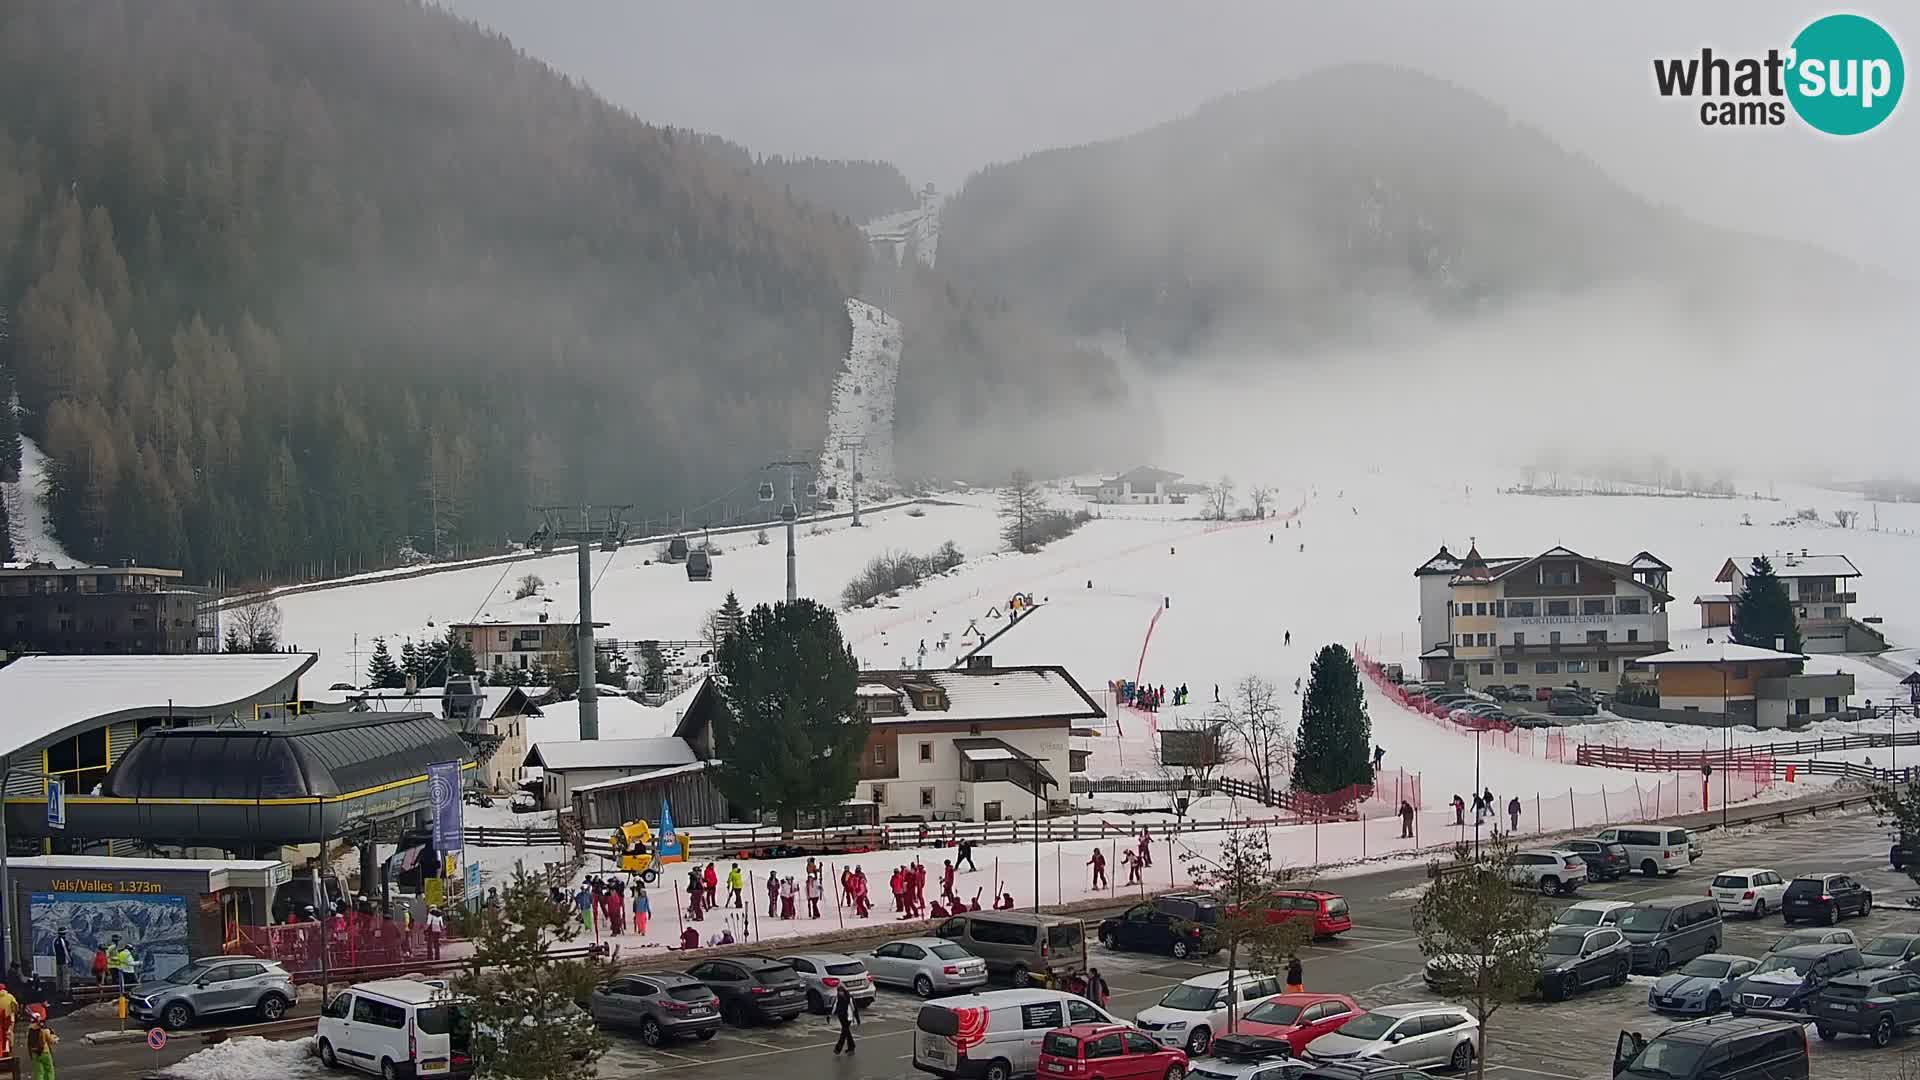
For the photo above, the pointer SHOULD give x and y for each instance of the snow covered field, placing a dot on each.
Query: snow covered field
(863, 408)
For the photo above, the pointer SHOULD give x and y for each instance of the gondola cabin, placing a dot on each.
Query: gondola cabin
(677, 550)
(699, 566)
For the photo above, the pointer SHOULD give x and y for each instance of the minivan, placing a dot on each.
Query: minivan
(1020, 946)
(1723, 1048)
(395, 1027)
(1654, 849)
(1669, 930)
(995, 1034)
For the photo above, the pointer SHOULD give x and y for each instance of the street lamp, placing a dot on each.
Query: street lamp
(1477, 732)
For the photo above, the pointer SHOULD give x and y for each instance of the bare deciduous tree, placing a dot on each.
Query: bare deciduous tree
(528, 585)
(1260, 495)
(1021, 506)
(1220, 498)
(1195, 751)
(1251, 715)
(253, 626)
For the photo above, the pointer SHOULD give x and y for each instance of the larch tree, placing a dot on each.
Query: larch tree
(1022, 505)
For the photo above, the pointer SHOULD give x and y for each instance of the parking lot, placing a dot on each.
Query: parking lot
(1379, 963)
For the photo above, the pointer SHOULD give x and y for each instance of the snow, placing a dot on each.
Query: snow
(620, 718)
(27, 511)
(250, 1057)
(912, 233)
(1719, 652)
(51, 693)
(1005, 695)
(863, 403)
(612, 753)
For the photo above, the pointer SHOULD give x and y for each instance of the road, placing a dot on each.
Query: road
(1378, 962)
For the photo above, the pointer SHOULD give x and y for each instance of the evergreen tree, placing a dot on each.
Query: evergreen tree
(382, 672)
(731, 615)
(653, 668)
(791, 738)
(1763, 616)
(1336, 738)
(6, 530)
(459, 654)
(9, 415)
(511, 979)
(412, 664)
(233, 641)
(433, 663)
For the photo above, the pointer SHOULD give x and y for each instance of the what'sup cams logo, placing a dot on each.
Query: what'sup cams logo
(1842, 75)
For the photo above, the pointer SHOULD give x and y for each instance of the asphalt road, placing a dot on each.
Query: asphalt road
(1378, 963)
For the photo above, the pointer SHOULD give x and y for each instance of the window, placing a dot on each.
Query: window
(1629, 605)
(1487, 669)
(1802, 706)
(1519, 639)
(1481, 640)
(1830, 613)
(879, 753)
(1603, 666)
(1559, 607)
(1596, 637)
(1000, 933)
(1106, 1046)
(1633, 636)
(880, 794)
(1522, 609)
(1553, 637)
(339, 1007)
(1546, 667)
(1046, 1015)
(1832, 705)
(926, 751)
(1138, 1043)
(378, 1013)
(1576, 667)
(926, 797)
(502, 637)
(1479, 609)
(1593, 607)
(1466, 640)
(1499, 609)
(1079, 1012)
(1509, 668)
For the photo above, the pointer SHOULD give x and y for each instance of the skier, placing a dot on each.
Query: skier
(734, 882)
(1379, 753)
(1460, 809)
(1288, 639)
(966, 854)
(1406, 820)
(1479, 809)
(1099, 864)
(1513, 812)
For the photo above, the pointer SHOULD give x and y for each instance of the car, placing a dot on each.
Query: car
(752, 988)
(1019, 946)
(1900, 951)
(1329, 911)
(1718, 1048)
(1361, 1069)
(1654, 849)
(995, 1034)
(1496, 691)
(1834, 936)
(1296, 1019)
(1875, 1002)
(1591, 913)
(1160, 927)
(926, 965)
(1190, 1014)
(1551, 870)
(1748, 890)
(659, 1005)
(1606, 860)
(215, 986)
(1418, 1034)
(1246, 1057)
(1572, 959)
(1902, 853)
(1788, 978)
(1825, 898)
(1108, 1052)
(394, 1027)
(1671, 929)
(1703, 985)
(825, 973)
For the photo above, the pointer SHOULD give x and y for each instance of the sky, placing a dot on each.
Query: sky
(942, 90)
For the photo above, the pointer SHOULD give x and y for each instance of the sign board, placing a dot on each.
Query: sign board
(157, 1038)
(280, 875)
(436, 892)
(666, 842)
(443, 778)
(56, 804)
(473, 880)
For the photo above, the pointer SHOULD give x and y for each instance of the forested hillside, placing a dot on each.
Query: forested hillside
(856, 190)
(1319, 209)
(292, 283)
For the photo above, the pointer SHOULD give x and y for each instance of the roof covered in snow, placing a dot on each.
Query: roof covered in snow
(1145, 475)
(650, 776)
(561, 755)
(1000, 693)
(1719, 652)
(1790, 565)
(47, 695)
(1714, 598)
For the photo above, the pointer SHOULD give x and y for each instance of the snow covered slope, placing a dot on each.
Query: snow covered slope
(909, 234)
(863, 407)
(32, 536)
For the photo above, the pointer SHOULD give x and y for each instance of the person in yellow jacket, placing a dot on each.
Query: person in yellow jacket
(735, 882)
(40, 1043)
(9, 1010)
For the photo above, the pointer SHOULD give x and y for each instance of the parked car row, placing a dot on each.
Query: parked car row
(1184, 925)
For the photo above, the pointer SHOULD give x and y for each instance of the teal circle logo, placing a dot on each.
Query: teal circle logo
(1846, 74)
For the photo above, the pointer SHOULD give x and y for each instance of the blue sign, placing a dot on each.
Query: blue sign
(666, 842)
(444, 780)
(56, 805)
(473, 885)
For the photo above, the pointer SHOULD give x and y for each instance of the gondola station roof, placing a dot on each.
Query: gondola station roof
(311, 757)
(49, 697)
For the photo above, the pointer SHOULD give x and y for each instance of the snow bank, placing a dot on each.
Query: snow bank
(250, 1057)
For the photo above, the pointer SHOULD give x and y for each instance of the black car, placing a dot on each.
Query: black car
(1900, 951)
(1871, 1002)
(1574, 958)
(1179, 924)
(1720, 1048)
(753, 988)
(1606, 860)
(1901, 854)
(1824, 898)
(1789, 978)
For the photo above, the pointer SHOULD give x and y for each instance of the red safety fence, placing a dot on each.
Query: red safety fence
(361, 943)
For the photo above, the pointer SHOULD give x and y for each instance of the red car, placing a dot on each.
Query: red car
(1297, 1018)
(1107, 1052)
(1327, 910)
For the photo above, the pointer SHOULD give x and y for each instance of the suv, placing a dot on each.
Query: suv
(1019, 945)
(1572, 959)
(1874, 1002)
(209, 987)
(1551, 870)
(1786, 979)
(1107, 1050)
(1180, 925)
(1591, 913)
(1329, 911)
(1724, 1047)
(753, 988)
(1606, 860)
(659, 1005)
(1824, 898)
(1191, 1013)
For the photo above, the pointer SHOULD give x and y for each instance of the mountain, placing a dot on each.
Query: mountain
(856, 190)
(1316, 209)
(294, 284)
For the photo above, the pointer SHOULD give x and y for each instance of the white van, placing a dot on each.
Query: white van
(995, 1034)
(1654, 849)
(394, 1028)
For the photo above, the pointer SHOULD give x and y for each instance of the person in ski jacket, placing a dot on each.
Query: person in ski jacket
(1513, 812)
(1459, 809)
(735, 881)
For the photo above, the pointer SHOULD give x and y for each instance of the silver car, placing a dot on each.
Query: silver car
(211, 987)
(1421, 1034)
(659, 1005)
(928, 965)
(824, 973)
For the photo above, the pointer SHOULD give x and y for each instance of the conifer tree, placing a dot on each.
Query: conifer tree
(1335, 735)
(1763, 616)
(460, 659)
(412, 664)
(791, 738)
(521, 1001)
(382, 672)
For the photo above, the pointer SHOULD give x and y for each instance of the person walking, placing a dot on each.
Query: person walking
(1097, 990)
(1406, 820)
(773, 896)
(1513, 812)
(9, 1012)
(966, 854)
(1099, 864)
(1459, 809)
(843, 1012)
(1296, 977)
(62, 966)
(816, 889)
(642, 909)
(735, 880)
(436, 926)
(40, 1043)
